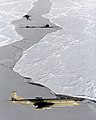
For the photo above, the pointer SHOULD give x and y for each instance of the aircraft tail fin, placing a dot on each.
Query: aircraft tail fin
(15, 97)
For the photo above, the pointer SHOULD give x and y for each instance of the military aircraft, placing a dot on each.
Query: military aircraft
(49, 103)
(40, 103)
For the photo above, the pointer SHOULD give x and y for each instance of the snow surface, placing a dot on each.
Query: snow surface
(65, 61)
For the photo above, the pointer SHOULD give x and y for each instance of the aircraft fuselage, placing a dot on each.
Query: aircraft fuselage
(43, 103)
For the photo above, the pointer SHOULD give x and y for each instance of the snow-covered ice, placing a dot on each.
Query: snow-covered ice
(65, 61)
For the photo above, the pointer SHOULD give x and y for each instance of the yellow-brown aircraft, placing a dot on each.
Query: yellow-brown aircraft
(49, 103)
(41, 103)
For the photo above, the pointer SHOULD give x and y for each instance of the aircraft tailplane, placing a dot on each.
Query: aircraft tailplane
(15, 97)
